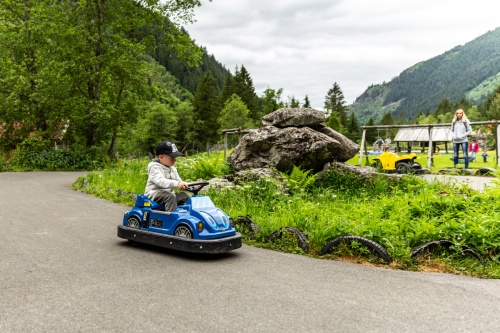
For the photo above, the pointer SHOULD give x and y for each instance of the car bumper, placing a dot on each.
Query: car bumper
(218, 245)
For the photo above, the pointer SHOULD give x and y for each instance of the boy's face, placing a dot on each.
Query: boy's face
(166, 160)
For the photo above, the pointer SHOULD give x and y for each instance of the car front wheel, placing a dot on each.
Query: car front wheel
(183, 231)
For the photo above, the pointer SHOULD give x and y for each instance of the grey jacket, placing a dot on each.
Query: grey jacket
(461, 131)
(161, 178)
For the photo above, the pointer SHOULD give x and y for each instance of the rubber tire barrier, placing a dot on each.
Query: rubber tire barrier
(247, 222)
(301, 237)
(445, 244)
(375, 247)
(486, 172)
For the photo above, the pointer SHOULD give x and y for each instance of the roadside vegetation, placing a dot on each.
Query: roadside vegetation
(399, 215)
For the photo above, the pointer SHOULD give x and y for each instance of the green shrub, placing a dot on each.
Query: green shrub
(28, 159)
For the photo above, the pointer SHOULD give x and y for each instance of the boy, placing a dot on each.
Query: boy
(163, 177)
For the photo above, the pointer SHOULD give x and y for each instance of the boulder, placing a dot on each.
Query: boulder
(293, 117)
(348, 148)
(363, 173)
(253, 175)
(283, 148)
(292, 137)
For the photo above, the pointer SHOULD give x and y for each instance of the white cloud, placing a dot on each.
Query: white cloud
(306, 46)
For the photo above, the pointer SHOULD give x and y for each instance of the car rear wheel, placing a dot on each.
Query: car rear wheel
(183, 231)
(133, 222)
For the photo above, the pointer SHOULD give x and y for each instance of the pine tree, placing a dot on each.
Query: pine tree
(243, 87)
(306, 104)
(333, 122)
(353, 128)
(228, 89)
(294, 103)
(494, 109)
(444, 107)
(335, 103)
(371, 133)
(206, 112)
(387, 119)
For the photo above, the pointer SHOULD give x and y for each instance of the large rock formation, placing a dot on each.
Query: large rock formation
(289, 137)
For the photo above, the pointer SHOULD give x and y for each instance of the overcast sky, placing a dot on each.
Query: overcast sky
(304, 46)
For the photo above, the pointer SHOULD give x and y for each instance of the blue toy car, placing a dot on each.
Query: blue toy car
(197, 226)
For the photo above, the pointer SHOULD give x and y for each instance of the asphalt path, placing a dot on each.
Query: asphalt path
(63, 269)
(473, 182)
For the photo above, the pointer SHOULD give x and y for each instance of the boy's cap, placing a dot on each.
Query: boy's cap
(167, 148)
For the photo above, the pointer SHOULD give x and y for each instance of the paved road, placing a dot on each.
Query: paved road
(62, 269)
(474, 182)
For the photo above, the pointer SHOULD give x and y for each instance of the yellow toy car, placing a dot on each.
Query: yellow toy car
(391, 162)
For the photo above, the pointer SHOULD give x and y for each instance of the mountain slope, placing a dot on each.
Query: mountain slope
(470, 71)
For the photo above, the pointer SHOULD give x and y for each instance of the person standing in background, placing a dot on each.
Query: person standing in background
(460, 128)
(388, 143)
(379, 143)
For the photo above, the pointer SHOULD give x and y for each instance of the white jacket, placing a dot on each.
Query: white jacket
(160, 178)
(461, 131)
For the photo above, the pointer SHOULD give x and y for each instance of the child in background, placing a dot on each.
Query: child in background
(473, 149)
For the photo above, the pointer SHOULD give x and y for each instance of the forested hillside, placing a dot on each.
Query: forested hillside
(189, 76)
(470, 71)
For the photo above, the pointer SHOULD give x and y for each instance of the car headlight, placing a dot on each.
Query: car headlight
(223, 217)
(209, 219)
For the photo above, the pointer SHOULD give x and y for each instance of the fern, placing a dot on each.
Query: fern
(299, 180)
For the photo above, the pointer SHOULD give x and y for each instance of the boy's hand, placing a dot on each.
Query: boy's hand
(182, 185)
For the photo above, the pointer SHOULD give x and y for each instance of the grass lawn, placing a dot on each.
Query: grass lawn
(440, 161)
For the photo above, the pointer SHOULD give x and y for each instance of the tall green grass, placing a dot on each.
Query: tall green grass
(399, 215)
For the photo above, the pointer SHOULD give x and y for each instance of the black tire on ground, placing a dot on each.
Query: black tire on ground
(301, 237)
(403, 167)
(374, 247)
(446, 244)
(247, 222)
(486, 172)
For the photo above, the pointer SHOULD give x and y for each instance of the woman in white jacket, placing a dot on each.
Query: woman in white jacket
(460, 127)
